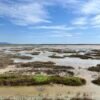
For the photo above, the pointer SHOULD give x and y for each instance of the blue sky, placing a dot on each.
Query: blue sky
(50, 21)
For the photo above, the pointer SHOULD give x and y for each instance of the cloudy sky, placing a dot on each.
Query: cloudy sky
(50, 21)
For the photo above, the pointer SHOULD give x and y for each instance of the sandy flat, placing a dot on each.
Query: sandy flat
(89, 88)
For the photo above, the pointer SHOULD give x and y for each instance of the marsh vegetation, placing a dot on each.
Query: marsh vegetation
(96, 81)
(54, 68)
(80, 56)
(35, 53)
(49, 68)
(56, 56)
(62, 51)
(24, 80)
(5, 61)
(95, 68)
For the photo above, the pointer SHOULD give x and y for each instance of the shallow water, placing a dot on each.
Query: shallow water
(75, 62)
(89, 88)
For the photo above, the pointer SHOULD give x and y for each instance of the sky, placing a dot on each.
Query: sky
(50, 21)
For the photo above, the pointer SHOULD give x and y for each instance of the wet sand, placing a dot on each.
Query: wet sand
(54, 90)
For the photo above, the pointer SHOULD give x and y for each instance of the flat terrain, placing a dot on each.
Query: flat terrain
(22, 59)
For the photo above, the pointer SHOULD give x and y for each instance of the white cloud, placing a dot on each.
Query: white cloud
(66, 3)
(34, 12)
(90, 14)
(62, 34)
(80, 21)
(24, 14)
(53, 27)
(91, 7)
(96, 20)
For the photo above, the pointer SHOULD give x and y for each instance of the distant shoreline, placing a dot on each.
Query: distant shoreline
(45, 44)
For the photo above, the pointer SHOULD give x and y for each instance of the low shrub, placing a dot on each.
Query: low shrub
(81, 56)
(41, 79)
(95, 68)
(20, 56)
(96, 81)
(74, 81)
(63, 51)
(37, 64)
(24, 80)
(55, 56)
(35, 53)
(81, 98)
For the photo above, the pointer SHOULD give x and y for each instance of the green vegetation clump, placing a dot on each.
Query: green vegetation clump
(80, 56)
(71, 81)
(96, 81)
(40, 97)
(96, 52)
(21, 49)
(74, 81)
(37, 64)
(24, 57)
(26, 80)
(35, 53)
(19, 56)
(49, 68)
(15, 80)
(55, 56)
(81, 98)
(95, 69)
(41, 79)
(62, 51)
